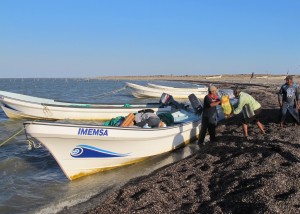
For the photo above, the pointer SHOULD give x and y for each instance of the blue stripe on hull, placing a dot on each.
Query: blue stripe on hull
(85, 151)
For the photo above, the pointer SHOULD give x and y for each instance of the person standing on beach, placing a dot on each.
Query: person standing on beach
(289, 100)
(252, 76)
(209, 116)
(251, 110)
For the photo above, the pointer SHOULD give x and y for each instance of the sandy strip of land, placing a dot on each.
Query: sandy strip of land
(262, 79)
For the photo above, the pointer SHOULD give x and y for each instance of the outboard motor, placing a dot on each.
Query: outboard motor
(196, 103)
(167, 99)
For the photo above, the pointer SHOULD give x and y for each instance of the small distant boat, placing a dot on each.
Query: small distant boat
(82, 150)
(190, 90)
(140, 91)
(19, 106)
(214, 77)
(261, 77)
(277, 77)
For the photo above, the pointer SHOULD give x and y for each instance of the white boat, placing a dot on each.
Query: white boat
(82, 150)
(214, 77)
(261, 77)
(20, 106)
(140, 91)
(190, 90)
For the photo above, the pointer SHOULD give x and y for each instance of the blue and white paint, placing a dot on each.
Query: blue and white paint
(85, 151)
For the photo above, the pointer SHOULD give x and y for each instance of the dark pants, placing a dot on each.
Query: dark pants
(207, 125)
(255, 118)
(289, 108)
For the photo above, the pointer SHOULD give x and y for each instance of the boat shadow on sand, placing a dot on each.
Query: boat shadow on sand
(267, 116)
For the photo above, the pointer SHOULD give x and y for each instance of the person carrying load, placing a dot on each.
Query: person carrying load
(251, 110)
(209, 115)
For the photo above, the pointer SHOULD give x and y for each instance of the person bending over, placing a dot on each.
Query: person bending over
(251, 110)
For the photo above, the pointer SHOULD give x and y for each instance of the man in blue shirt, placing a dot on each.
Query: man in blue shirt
(289, 100)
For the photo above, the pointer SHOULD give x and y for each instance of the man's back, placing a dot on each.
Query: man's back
(244, 99)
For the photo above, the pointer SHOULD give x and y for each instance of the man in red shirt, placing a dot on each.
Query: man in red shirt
(209, 116)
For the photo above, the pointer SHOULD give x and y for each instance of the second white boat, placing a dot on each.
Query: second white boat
(19, 106)
(140, 91)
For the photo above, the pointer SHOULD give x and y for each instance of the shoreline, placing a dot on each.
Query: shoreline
(242, 78)
(232, 175)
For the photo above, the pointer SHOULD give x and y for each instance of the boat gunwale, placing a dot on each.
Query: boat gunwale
(113, 106)
(81, 105)
(131, 128)
(136, 87)
(200, 89)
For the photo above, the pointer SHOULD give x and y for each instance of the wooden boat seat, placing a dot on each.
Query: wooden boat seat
(128, 120)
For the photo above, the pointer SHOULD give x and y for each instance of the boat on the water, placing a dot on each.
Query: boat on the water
(140, 91)
(82, 149)
(190, 90)
(19, 106)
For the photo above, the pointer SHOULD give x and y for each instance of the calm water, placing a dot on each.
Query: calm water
(32, 182)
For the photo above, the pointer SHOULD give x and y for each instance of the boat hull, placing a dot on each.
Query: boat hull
(39, 108)
(190, 90)
(140, 91)
(83, 150)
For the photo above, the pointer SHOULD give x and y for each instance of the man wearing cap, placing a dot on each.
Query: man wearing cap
(289, 100)
(209, 116)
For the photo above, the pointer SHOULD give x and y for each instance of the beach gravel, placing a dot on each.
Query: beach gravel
(231, 175)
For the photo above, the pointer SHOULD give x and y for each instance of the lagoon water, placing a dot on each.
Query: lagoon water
(32, 182)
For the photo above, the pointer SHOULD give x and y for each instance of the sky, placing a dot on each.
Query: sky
(89, 38)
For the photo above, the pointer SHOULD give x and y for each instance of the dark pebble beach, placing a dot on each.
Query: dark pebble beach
(232, 175)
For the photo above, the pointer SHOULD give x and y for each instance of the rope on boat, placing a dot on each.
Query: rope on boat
(32, 144)
(46, 110)
(12, 137)
(110, 92)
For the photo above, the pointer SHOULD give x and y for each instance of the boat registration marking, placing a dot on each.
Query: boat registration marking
(92, 132)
